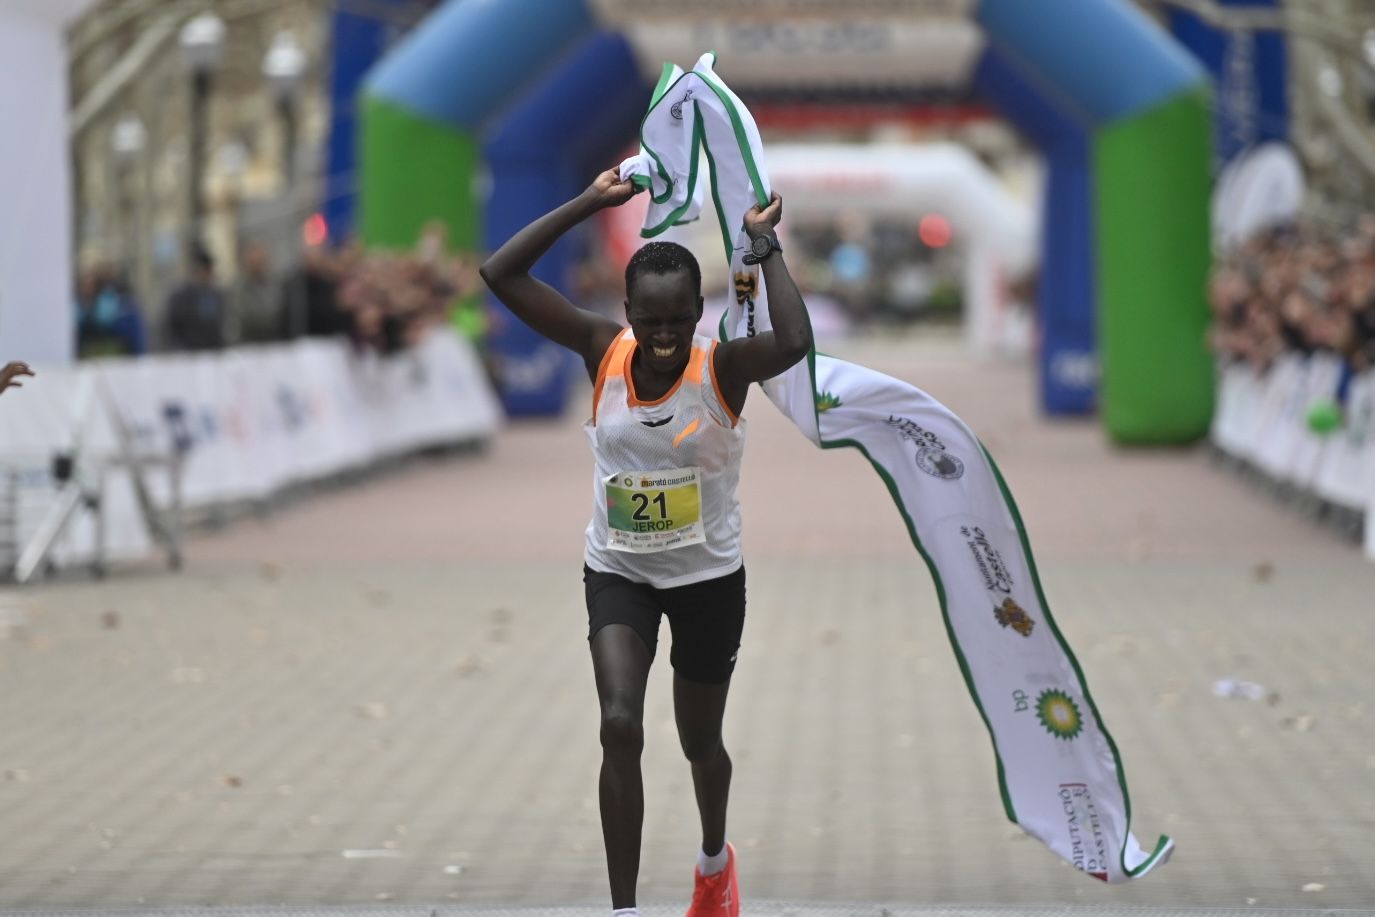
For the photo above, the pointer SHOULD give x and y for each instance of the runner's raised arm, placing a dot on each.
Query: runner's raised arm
(543, 308)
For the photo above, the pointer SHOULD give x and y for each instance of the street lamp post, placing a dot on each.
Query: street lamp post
(284, 65)
(202, 46)
(127, 140)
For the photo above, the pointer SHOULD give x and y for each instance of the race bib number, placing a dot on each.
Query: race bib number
(649, 511)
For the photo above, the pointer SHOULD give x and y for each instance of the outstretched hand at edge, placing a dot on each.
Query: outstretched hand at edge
(10, 372)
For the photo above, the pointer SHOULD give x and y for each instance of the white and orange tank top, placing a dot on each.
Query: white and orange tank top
(664, 507)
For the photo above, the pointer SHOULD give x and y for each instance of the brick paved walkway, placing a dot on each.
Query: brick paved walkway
(380, 695)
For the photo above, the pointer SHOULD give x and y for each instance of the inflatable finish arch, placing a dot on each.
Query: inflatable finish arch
(534, 96)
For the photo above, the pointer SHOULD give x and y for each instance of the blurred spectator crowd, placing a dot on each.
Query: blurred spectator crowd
(1297, 289)
(381, 301)
(874, 272)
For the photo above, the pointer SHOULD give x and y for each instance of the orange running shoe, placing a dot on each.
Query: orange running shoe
(718, 895)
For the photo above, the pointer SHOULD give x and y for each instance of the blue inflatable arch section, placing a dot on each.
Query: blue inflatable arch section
(1065, 294)
(550, 98)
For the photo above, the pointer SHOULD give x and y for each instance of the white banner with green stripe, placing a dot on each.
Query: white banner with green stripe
(1058, 769)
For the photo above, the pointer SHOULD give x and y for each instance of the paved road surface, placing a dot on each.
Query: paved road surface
(381, 695)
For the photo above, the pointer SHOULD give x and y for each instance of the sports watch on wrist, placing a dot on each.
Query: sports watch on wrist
(761, 248)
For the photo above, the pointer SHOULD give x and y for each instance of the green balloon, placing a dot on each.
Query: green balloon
(1324, 416)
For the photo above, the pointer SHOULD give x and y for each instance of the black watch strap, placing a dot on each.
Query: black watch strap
(774, 246)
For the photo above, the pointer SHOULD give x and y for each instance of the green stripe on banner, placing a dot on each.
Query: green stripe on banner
(1154, 180)
(414, 171)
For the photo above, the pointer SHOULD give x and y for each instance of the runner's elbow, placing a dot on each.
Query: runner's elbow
(490, 273)
(498, 272)
(794, 345)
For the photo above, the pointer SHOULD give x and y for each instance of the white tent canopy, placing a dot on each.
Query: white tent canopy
(996, 232)
(1260, 189)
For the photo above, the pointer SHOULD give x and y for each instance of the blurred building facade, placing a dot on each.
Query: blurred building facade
(266, 122)
(1330, 48)
(132, 95)
(1333, 94)
(132, 130)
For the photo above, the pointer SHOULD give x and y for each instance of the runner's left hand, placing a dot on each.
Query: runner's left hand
(761, 221)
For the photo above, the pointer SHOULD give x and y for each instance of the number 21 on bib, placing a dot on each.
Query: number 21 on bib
(649, 511)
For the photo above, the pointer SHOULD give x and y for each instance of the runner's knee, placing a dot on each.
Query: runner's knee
(700, 748)
(622, 731)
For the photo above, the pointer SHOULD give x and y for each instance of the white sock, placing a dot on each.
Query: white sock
(626, 912)
(711, 865)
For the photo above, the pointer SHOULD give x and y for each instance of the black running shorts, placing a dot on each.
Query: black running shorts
(706, 619)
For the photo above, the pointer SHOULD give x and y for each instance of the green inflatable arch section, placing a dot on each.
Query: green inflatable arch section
(1154, 254)
(1144, 103)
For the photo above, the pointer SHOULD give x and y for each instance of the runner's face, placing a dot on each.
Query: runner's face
(663, 310)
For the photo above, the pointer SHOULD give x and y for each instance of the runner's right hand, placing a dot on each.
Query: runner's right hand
(611, 191)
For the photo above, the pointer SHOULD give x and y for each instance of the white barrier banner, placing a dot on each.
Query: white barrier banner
(60, 413)
(1264, 420)
(1237, 394)
(1347, 476)
(248, 423)
(324, 395)
(1281, 415)
(1320, 383)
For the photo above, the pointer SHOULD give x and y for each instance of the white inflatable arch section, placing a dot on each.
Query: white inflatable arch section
(996, 232)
